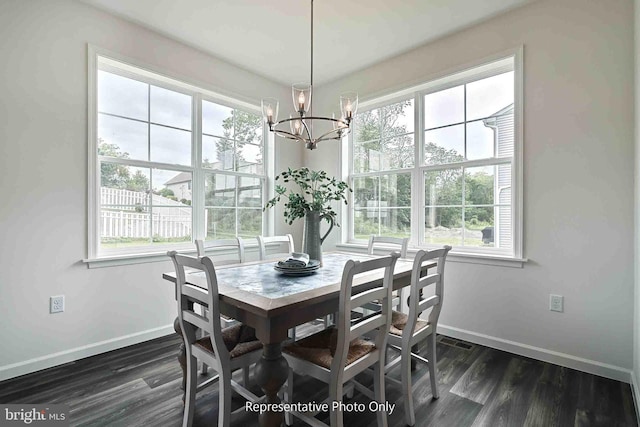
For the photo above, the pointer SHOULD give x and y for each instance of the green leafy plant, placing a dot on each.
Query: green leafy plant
(317, 191)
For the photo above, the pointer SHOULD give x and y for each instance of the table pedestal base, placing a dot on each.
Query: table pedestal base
(271, 373)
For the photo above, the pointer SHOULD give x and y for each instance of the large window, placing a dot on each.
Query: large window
(439, 164)
(171, 163)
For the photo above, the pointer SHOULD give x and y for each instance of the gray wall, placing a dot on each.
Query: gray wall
(578, 181)
(43, 214)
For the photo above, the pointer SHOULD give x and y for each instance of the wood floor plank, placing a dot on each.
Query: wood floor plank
(140, 386)
(545, 408)
(479, 381)
(508, 404)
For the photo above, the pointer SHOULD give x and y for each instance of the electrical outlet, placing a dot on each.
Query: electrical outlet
(56, 304)
(556, 303)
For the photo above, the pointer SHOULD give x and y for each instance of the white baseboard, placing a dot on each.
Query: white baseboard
(635, 392)
(55, 359)
(557, 358)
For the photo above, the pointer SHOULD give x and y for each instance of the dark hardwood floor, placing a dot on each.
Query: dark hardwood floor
(479, 386)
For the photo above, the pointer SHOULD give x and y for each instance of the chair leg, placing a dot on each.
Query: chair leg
(288, 397)
(205, 369)
(432, 365)
(379, 393)
(224, 398)
(335, 395)
(245, 377)
(190, 391)
(405, 362)
(292, 333)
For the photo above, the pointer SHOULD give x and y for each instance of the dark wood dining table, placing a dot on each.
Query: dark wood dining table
(257, 295)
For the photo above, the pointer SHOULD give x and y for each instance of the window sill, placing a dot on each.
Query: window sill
(113, 260)
(454, 256)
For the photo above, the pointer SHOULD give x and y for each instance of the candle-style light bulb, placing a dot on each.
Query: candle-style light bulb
(269, 114)
(301, 101)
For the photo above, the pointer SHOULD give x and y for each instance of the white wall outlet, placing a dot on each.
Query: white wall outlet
(56, 304)
(556, 303)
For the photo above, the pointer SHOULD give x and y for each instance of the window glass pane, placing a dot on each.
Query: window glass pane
(122, 226)
(250, 192)
(122, 96)
(170, 108)
(217, 153)
(171, 188)
(367, 126)
(480, 140)
(365, 189)
(399, 152)
(247, 127)
(382, 205)
(122, 138)
(487, 97)
(443, 187)
(505, 137)
(220, 223)
(366, 223)
(171, 224)
(397, 119)
(479, 226)
(444, 107)
(250, 158)
(220, 190)
(479, 184)
(133, 183)
(217, 120)
(249, 223)
(369, 156)
(443, 226)
(170, 145)
(445, 145)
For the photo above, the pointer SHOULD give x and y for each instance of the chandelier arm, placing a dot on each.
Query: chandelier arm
(304, 124)
(288, 135)
(338, 132)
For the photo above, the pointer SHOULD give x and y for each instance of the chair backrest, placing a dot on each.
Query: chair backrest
(188, 295)
(236, 243)
(418, 282)
(403, 242)
(377, 323)
(262, 245)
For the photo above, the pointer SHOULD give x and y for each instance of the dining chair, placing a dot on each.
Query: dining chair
(407, 331)
(337, 354)
(287, 240)
(390, 243)
(237, 244)
(225, 350)
(282, 240)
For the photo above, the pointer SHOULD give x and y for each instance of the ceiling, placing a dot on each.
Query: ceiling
(271, 37)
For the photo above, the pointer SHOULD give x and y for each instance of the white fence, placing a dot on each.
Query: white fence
(142, 225)
(173, 219)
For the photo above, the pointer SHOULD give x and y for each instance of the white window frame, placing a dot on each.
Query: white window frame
(510, 60)
(101, 59)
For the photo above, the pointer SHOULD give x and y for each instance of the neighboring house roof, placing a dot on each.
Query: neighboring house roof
(491, 121)
(181, 177)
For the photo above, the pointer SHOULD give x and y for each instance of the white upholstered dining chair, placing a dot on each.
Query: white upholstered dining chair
(409, 330)
(225, 350)
(337, 354)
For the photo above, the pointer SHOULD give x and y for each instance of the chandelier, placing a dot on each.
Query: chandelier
(299, 125)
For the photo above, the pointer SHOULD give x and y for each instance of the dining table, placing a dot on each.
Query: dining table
(259, 296)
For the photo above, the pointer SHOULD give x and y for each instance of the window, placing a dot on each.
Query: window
(158, 182)
(439, 163)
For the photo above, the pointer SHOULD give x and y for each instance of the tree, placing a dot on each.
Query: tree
(240, 128)
(113, 175)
